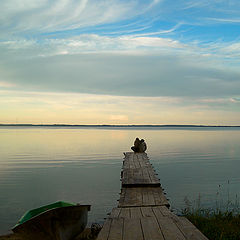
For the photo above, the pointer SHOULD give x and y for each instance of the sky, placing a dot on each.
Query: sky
(120, 62)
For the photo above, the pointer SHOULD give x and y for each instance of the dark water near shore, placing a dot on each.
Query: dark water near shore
(40, 165)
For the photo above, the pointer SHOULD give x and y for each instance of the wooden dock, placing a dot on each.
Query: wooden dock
(143, 210)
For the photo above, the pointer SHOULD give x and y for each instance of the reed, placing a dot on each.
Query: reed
(221, 222)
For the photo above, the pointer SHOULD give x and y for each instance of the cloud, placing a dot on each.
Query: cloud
(224, 20)
(7, 85)
(195, 4)
(137, 65)
(217, 100)
(195, 13)
(24, 16)
(136, 42)
(124, 74)
(88, 43)
(51, 18)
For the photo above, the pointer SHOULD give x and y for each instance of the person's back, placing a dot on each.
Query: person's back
(136, 146)
(142, 146)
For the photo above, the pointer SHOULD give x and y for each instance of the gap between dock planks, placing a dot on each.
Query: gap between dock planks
(143, 210)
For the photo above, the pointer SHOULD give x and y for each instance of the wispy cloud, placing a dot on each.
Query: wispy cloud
(196, 4)
(136, 43)
(88, 43)
(32, 18)
(51, 16)
(161, 32)
(224, 20)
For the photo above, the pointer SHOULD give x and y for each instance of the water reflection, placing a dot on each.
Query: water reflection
(42, 165)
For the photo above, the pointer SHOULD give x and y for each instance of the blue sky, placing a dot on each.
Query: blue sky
(126, 62)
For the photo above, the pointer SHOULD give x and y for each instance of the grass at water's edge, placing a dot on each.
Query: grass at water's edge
(221, 222)
(216, 225)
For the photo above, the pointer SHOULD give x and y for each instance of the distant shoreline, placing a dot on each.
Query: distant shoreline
(117, 125)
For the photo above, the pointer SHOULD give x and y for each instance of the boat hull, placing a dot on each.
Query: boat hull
(63, 223)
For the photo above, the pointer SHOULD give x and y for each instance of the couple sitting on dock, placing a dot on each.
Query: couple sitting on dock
(139, 146)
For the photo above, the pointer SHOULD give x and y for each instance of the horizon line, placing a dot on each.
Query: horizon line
(113, 125)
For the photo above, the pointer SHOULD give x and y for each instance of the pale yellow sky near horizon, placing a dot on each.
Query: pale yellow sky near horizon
(74, 108)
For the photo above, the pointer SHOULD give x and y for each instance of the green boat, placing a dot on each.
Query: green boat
(56, 221)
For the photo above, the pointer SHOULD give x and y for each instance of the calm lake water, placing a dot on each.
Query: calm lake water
(41, 165)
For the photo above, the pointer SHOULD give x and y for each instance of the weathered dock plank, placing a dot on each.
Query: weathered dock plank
(169, 228)
(144, 176)
(138, 172)
(135, 160)
(151, 229)
(148, 223)
(132, 229)
(140, 196)
(116, 230)
(143, 210)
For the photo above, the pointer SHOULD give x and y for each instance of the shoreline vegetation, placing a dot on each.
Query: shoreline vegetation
(221, 222)
(119, 125)
(216, 225)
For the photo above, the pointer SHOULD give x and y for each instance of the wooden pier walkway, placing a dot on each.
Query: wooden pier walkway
(143, 210)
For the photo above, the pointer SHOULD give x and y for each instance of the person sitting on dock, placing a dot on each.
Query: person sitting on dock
(142, 146)
(137, 143)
